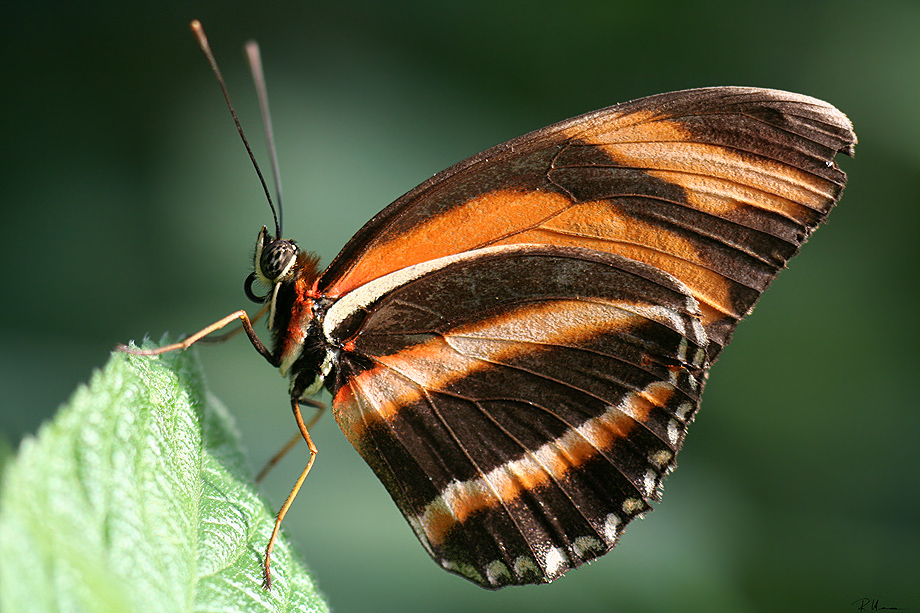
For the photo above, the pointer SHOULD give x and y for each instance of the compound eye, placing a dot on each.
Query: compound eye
(277, 260)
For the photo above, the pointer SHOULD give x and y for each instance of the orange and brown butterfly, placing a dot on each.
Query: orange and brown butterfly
(517, 346)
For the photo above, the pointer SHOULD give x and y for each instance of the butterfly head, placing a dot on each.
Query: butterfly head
(281, 266)
(273, 263)
(274, 259)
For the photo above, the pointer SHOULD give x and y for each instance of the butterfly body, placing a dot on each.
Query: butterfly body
(517, 346)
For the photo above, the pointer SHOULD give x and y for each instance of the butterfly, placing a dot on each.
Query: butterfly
(517, 346)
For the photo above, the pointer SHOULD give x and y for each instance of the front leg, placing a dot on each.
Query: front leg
(217, 325)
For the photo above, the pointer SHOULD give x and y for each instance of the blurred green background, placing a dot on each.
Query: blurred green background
(128, 207)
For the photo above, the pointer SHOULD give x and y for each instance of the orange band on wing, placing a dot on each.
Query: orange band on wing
(598, 225)
(465, 227)
(666, 150)
(549, 463)
(404, 378)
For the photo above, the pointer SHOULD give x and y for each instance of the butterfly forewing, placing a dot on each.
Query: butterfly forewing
(517, 346)
(718, 187)
(521, 423)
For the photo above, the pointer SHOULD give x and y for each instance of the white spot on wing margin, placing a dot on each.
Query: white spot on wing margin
(555, 561)
(496, 571)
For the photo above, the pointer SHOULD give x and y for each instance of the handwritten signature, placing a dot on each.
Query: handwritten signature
(872, 604)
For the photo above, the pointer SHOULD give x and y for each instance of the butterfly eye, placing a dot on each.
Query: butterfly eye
(277, 260)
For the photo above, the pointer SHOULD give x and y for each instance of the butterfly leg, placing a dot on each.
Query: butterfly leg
(295, 405)
(321, 408)
(214, 339)
(217, 325)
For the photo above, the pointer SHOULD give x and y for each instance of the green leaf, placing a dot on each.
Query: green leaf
(138, 498)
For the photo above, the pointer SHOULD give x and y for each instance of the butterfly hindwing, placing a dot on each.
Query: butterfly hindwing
(521, 404)
(718, 187)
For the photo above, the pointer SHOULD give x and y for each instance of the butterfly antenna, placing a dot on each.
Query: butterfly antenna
(198, 31)
(258, 77)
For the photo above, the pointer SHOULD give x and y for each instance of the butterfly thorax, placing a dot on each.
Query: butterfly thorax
(295, 311)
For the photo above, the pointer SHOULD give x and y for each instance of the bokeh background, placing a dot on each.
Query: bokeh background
(128, 207)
